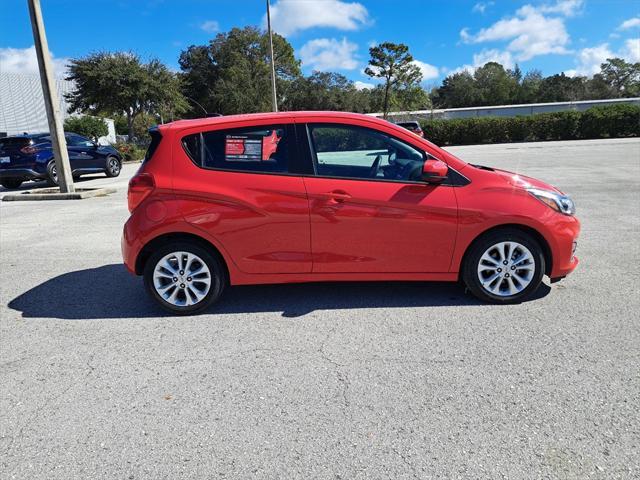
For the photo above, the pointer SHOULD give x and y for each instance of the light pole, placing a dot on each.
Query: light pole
(51, 103)
(274, 99)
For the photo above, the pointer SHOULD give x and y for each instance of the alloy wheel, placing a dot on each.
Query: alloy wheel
(182, 279)
(506, 268)
(114, 166)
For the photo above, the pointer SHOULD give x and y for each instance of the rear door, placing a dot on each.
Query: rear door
(370, 211)
(241, 186)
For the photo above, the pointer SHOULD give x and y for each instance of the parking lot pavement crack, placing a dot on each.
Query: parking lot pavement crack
(49, 402)
(341, 375)
(231, 355)
(405, 460)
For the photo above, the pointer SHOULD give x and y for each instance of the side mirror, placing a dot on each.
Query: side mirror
(434, 171)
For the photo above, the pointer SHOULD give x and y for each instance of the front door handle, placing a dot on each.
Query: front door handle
(337, 196)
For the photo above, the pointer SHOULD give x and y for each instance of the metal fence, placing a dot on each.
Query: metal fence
(22, 105)
(504, 110)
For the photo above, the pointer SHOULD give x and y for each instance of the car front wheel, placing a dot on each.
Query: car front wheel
(505, 266)
(113, 167)
(184, 278)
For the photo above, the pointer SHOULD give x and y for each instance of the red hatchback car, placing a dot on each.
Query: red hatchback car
(341, 196)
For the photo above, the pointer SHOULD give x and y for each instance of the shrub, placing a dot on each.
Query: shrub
(598, 122)
(130, 151)
(92, 127)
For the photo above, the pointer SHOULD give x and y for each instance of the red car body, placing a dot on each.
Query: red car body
(301, 227)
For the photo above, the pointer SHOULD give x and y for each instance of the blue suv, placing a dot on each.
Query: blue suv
(30, 157)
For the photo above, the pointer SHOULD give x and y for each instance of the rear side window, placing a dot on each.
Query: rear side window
(254, 149)
(16, 143)
(153, 146)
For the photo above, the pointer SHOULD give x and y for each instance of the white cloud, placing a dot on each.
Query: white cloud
(24, 60)
(568, 8)
(210, 26)
(631, 23)
(589, 59)
(290, 16)
(631, 50)
(481, 7)
(329, 54)
(363, 85)
(493, 55)
(429, 72)
(530, 32)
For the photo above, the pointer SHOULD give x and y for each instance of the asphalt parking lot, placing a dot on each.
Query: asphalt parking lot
(340, 381)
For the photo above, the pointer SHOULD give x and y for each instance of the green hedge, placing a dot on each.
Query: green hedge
(130, 151)
(598, 122)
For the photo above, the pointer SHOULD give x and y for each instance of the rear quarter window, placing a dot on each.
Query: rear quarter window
(254, 149)
(156, 138)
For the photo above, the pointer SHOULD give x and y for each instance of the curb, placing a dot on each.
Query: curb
(54, 194)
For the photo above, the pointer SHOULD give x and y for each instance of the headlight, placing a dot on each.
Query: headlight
(557, 201)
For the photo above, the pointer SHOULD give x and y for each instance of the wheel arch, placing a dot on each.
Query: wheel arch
(546, 249)
(168, 238)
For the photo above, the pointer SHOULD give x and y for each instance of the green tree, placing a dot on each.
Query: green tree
(232, 74)
(561, 88)
(92, 127)
(394, 64)
(621, 76)
(495, 86)
(325, 91)
(119, 83)
(199, 75)
(597, 88)
(529, 87)
(457, 90)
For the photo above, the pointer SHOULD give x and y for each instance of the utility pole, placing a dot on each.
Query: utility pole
(273, 65)
(51, 103)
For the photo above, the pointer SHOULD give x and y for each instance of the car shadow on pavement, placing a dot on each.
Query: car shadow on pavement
(111, 292)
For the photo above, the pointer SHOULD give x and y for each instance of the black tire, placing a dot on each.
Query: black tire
(471, 276)
(218, 276)
(52, 176)
(11, 183)
(113, 166)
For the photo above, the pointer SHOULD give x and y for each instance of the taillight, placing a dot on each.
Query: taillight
(29, 150)
(140, 186)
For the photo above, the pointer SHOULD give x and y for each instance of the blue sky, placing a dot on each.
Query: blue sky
(573, 36)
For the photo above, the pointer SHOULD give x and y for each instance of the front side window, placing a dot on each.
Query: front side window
(255, 149)
(357, 152)
(78, 141)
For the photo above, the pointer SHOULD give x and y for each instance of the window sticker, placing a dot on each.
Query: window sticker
(243, 148)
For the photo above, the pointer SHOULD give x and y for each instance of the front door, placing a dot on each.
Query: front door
(369, 210)
(83, 154)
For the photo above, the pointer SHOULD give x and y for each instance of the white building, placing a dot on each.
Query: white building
(22, 105)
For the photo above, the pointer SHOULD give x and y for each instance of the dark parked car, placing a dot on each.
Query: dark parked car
(412, 127)
(30, 157)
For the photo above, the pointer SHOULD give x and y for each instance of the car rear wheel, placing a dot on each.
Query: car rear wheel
(52, 173)
(11, 183)
(113, 167)
(505, 266)
(184, 278)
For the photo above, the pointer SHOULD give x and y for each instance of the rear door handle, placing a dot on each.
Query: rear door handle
(338, 196)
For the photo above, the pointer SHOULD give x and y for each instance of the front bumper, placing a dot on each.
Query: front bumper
(563, 248)
(26, 173)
